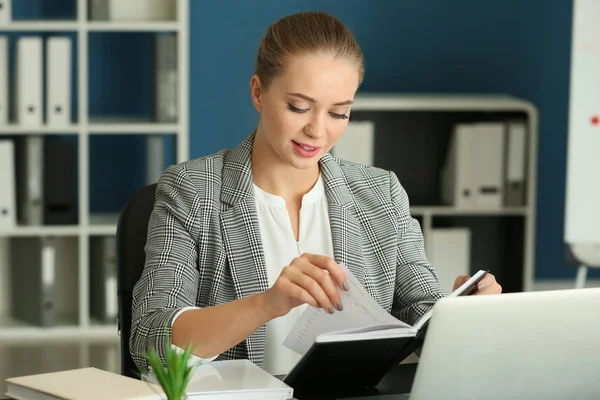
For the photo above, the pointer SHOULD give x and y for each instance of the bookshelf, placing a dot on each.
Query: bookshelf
(412, 137)
(72, 276)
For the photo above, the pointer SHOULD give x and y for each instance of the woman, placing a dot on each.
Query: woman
(241, 241)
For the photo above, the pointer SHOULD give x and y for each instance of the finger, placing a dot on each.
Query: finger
(487, 281)
(329, 264)
(459, 281)
(313, 288)
(324, 279)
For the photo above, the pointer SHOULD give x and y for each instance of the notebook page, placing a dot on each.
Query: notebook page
(360, 310)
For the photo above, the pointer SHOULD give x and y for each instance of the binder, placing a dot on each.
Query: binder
(357, 144)
(132, 10)
(488, 164)
(165, 61)
(4, 83)
(33, 262)
(457, 175)
(8, 207)
(449, 251)
(103, 279)
(58, 80)
(59, 182)
(5, 11)
(155, 158)
(28, 71)
(29, 163)
(516, 148)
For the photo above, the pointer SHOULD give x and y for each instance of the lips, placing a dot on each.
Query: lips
(307, 147)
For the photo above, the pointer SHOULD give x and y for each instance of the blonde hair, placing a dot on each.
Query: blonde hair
(305, 33)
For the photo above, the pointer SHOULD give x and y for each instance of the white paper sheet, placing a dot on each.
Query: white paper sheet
(360, 310)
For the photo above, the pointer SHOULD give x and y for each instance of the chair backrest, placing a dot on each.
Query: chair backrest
(132, 230)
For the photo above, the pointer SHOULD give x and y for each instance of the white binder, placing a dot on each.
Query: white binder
(357, 144)
(8, 194)
(5, 11)
(29, 81)
(58, 81)
(4, 86)
(133, 10)
(516, 147)
(457, 176)
(449, 252)
(488, 163)
(166, 77)
(155, 158)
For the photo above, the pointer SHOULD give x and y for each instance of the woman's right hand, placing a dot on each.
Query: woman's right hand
(309, 279)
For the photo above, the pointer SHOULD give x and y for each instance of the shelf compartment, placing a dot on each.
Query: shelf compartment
(42, 275)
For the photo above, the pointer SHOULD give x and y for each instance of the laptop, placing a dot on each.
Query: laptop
(531, 345)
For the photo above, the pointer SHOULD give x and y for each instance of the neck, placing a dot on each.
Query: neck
(273, 175)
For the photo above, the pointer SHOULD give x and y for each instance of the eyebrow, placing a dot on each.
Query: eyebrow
(307, 98)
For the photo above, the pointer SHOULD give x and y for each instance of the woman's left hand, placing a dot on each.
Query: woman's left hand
(487, 285)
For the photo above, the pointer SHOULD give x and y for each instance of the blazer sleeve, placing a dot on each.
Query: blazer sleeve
(417, 285)
(169, 281)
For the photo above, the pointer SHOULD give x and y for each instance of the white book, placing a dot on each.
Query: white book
(29, 81)
(5, 11)
(79, 384)
(4, 84)
(8, 190)
(357, 144)
(58, 81)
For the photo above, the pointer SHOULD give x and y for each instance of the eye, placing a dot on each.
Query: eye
(296, 109)
(339, 116)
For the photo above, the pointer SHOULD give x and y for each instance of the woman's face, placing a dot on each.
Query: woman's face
(305, 110)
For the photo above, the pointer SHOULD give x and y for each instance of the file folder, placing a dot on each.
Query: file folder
(516, 147)
(5, 11)
(166, 77)
(29, 75)
(103, 279)
(33, 262)
(58, 81)
(488, 163)
(30, 179)
(4, 84)
(458, 186)
(8, 208)
(357, 144)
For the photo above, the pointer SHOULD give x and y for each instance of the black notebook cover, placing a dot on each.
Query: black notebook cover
(348, 365)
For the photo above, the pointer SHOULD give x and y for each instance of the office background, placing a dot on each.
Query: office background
(515, 47)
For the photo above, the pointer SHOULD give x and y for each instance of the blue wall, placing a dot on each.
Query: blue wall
(512, 46)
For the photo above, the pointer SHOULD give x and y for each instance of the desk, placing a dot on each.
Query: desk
(395, 385)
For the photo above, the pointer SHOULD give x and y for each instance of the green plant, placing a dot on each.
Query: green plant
(173, 377)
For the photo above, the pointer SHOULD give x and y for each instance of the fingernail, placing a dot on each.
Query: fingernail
(345, 286)
(331, 309)
(339, 306)
(481, 286)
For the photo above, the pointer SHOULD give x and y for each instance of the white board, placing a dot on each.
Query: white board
(582, 209)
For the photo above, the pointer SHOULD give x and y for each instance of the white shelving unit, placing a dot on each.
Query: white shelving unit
(83, 327)
(386, 107)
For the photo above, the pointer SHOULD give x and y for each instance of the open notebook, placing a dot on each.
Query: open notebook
(358, 345)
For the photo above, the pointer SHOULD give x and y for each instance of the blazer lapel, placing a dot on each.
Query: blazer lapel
(345, 226)
(241, 235)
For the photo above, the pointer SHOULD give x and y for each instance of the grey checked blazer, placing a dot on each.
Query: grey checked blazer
(204, 246)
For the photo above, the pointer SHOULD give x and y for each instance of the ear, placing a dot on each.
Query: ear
(256, 92)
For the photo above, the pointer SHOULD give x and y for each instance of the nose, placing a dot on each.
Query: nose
(315, 127)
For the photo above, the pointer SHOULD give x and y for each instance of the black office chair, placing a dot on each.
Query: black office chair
(132, 230)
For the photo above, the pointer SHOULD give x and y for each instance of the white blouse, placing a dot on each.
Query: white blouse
(280, 248)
